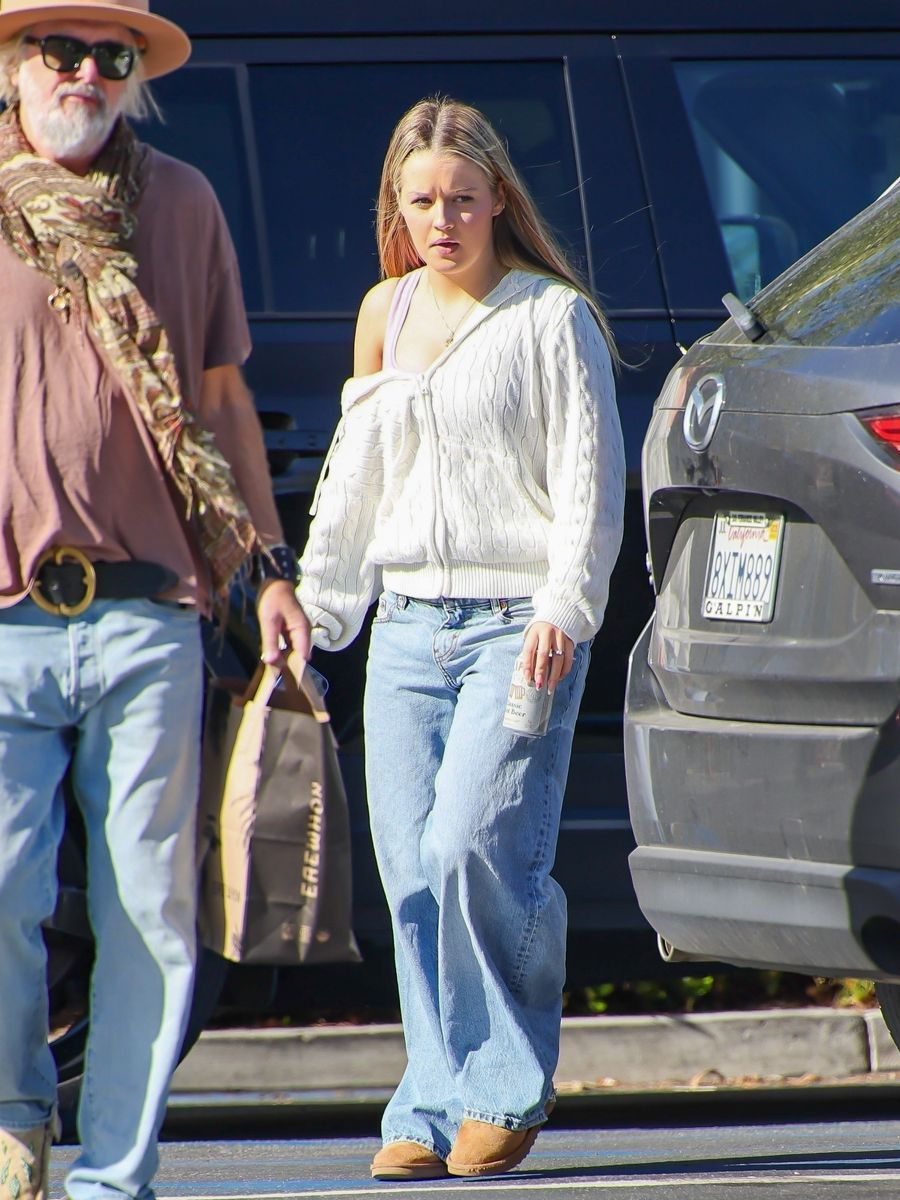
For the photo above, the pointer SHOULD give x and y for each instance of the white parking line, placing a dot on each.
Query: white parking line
(435, 1187)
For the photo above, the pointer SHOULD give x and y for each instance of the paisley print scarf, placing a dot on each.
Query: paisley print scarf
(77, 231)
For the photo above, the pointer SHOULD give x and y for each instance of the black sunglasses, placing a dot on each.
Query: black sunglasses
(114, 60)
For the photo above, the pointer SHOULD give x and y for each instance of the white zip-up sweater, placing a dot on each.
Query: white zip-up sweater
(499, 472)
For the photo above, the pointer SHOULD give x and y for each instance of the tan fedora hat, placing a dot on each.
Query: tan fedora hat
(168, 46)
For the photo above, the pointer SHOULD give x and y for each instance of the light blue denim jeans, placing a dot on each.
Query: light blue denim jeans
(465, 817)
(116, 691)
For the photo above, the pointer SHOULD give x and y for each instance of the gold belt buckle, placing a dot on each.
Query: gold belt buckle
(58, 555)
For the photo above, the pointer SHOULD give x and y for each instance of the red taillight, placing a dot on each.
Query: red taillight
(885, 427)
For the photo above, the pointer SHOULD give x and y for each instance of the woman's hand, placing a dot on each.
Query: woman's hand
(546, 654)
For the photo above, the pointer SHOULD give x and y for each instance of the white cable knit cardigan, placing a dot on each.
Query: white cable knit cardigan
(498, 472)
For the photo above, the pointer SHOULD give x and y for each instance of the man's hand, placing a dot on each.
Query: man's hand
(280, 616)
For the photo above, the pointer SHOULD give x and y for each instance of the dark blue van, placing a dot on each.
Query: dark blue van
(680, 151)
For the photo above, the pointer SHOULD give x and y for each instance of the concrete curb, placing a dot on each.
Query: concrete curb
(595, 1051)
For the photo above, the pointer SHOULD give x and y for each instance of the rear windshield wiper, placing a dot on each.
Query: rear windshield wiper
(747, 322)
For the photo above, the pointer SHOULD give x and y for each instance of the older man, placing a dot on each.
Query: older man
(134, 489)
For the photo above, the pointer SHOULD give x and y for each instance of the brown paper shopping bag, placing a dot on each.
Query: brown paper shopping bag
(274, 829)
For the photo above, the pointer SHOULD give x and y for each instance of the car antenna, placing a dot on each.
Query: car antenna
(746, 321)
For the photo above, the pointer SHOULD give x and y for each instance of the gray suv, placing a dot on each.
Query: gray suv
(762, 722)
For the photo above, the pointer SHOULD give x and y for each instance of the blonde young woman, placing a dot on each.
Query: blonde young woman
(478, 474)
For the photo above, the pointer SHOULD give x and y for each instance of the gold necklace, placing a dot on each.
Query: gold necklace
(451, 329)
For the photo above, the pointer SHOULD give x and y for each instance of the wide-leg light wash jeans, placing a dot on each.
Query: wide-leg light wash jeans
(465, 817)
(118, 692)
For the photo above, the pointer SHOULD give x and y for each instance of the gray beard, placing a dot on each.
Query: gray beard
(80, 133)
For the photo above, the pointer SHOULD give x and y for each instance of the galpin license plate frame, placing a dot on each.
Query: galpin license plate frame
(743, 567)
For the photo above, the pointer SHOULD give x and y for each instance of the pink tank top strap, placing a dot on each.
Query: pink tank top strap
(400, 303)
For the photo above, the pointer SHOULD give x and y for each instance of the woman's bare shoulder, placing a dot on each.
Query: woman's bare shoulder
(378, 298)
(371, 324)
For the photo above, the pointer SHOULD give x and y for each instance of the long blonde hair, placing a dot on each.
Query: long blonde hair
(522, 238)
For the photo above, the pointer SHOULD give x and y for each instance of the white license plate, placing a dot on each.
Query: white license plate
(742, 572)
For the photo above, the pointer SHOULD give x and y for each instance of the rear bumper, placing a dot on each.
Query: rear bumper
(816, 918)
(764, 844)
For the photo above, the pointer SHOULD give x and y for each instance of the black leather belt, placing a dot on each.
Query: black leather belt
(66, 582)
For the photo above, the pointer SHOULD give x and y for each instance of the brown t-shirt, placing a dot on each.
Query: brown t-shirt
(81, 468)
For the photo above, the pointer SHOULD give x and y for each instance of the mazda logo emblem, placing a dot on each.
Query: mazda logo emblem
(701, 413)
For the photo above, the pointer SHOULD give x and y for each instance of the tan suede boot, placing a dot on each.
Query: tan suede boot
(25, 1161)
(405, 1160)
(484, 1149)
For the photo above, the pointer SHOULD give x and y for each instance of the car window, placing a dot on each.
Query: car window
(320, 161)
(202, 125)
(790, 151)
(846, 292)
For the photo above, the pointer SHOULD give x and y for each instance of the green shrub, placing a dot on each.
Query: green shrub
(734, 989)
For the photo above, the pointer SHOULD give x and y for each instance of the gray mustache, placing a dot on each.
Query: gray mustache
(86, 90)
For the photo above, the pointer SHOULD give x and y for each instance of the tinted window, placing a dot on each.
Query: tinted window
(203, 126)
(847, 291)
(790, 152)
(322, 132)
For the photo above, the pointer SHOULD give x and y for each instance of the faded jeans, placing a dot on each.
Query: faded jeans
(116, 691)
(465, 817)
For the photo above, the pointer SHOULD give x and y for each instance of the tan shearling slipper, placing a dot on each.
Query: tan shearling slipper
(484, 1149)
(407, 1160)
